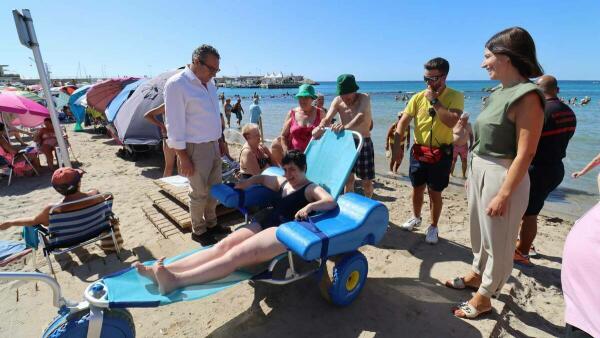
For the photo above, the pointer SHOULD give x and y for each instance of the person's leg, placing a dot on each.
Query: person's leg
(367, 186)
(453, 163)
(365, 167)
(201, 156)
(48, 153)
(256, 249)
(392, 164)
(399, 162)
(214, 177)
(228, 116)
(435, 206)
(437, 180)
(500, 232)
(35, 161)
(349, 187)
(277, 151)
(201, 257)
(463, 160)
(527, 234)
(170, 158)
(476, 214)
(417, 199)
(17, 136)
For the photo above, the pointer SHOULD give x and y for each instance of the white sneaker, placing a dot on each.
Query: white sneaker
(432, 235)
(411, 224)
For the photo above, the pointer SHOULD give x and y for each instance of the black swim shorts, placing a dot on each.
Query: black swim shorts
(544, 179)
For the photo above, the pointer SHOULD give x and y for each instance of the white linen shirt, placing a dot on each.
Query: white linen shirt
(191, 110)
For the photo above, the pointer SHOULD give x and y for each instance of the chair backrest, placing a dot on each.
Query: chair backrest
(331, 158)
(73, 227)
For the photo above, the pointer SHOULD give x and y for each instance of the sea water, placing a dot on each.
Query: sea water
(276, 103)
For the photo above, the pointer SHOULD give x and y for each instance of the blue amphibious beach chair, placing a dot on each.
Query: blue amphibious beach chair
(332, 236)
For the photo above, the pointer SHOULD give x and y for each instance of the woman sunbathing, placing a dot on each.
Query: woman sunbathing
(254, 156)
(253, 243)
(47, 142)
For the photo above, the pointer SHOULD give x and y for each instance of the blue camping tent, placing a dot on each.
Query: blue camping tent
(117, 102)
(133, 129)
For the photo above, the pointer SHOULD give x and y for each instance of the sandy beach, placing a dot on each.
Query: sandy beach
(403, 296)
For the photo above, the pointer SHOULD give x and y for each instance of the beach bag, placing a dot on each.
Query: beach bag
(426, 154)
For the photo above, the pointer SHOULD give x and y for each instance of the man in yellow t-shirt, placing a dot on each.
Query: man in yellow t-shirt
(435, 111)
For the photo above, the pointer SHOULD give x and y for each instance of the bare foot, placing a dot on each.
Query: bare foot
(167, 282)
(145, 271)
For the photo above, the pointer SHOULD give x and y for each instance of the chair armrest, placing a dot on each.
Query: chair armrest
(41, 229)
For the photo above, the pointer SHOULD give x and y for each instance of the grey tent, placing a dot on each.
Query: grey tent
(134, 132)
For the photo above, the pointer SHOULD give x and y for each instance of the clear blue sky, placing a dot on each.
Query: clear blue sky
(375, 40)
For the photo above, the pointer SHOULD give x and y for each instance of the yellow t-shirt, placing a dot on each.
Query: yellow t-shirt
(418, 108)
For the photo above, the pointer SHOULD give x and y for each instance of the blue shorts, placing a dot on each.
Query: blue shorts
(436, 175)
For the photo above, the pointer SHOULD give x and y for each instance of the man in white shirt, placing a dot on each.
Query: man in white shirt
(193, 128)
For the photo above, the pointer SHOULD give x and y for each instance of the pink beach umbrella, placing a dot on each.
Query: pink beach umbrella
(101, 94)
(35, 87)
(31, 113)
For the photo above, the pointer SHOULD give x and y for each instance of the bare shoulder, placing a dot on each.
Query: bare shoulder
(315, 192)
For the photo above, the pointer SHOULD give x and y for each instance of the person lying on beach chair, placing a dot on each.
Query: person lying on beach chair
(28, 156)
(253, 243)
(67, 182)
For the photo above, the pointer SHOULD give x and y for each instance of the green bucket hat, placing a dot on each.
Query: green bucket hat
(346, 84)
(306, 90)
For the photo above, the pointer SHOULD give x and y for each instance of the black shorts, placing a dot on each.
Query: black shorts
(544, 179)
(364, 168)
(269, 218)
(436, 175)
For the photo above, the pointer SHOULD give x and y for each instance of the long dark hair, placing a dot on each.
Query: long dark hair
(518, 45)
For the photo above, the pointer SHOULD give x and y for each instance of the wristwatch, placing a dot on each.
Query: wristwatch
(434, 101)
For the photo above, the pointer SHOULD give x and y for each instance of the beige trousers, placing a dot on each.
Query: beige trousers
(207, 171)
(493, 239)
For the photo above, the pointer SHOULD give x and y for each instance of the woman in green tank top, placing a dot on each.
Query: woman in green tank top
(506, 135)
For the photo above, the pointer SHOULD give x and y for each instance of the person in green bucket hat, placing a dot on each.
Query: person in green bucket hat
(298, 126)
(306, 90)
(355, 114)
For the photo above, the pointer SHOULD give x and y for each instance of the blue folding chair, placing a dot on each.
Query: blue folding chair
(68, 230)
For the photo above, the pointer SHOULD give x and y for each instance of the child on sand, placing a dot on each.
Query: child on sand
(389, 146)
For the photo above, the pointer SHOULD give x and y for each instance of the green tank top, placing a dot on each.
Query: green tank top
(495, 135)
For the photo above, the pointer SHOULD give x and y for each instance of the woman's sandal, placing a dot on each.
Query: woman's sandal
(470, 312)
(458, 283)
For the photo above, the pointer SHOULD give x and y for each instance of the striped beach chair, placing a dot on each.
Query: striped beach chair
(68, 230)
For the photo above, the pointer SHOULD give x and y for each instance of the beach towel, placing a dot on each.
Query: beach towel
(9, 248)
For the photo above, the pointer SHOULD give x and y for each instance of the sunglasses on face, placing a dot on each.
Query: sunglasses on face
(432, 78)
(211, 68)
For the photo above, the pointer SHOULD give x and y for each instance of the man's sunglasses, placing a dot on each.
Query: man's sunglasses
(211, 68)
(432, 78)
